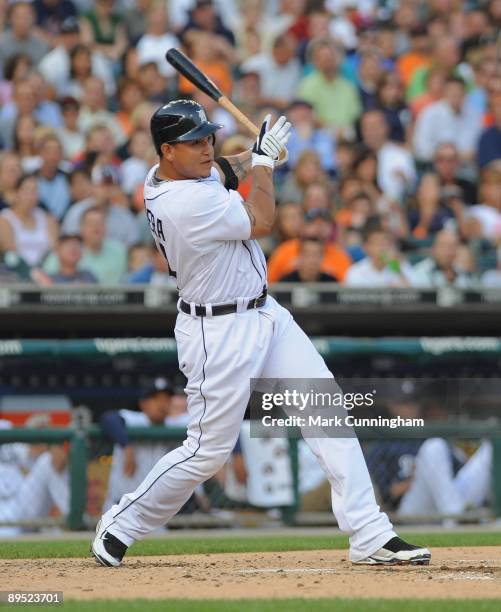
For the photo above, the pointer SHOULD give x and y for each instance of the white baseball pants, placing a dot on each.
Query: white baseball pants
(219, 355)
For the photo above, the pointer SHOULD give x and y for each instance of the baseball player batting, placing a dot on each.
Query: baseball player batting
(229, 331)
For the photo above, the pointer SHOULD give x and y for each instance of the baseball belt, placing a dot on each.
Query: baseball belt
(223, 309)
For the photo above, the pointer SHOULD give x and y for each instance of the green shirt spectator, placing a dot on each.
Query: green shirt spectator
(104, 257)
(335, 100)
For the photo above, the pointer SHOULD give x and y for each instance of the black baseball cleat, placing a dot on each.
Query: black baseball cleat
(398, 552)
(106, 548)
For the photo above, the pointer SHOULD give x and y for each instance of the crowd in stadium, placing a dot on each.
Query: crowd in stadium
(394, 169)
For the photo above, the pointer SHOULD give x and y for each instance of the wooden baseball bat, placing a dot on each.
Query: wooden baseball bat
(187, 68)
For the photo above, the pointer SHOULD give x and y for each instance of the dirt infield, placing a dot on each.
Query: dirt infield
(472, 572)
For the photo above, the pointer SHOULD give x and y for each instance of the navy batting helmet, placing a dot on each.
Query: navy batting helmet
(179, 121)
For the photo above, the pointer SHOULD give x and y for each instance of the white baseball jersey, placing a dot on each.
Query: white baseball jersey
(203, 230)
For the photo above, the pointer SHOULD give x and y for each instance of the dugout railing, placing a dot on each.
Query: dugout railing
(80, 437)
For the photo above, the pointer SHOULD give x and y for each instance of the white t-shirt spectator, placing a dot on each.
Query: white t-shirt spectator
(427, 275)
(276, 81)
(438, 123)
(364, 274)
(396, 170)
(152, 49)
(489, 219)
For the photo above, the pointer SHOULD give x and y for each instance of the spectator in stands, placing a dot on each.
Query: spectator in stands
(416, 57)
(133, 460)
(309, 264)
(16, 68)
(69, 253)
(212, 54)
(155, 272)
(47, 112)
(134, 20)
(317, 224)
(390, 99)
(484, 69)
(72, 140)
(157, 39)
(51, 15)
(369, 75)
(94, 111)
(279, 71)
(383, 266)
(23, 104)
(489, 145)
(448, 120)
(103, 30)
(289, 221)
(492, 278)
(204, 18)
(130, 95)
(20, 38)
(351, 220)
(335, 100)
(306, 136)
(434, 91)
(446, 169)
(10, 173)
(153, 84)
(142, 157)
(120, 222)
(445, 55)
(82, 190)
(442, 267)
(55, 65)
(396, 172)
(485, 218)
(307, 170)
(104, 257)
(139, 255)
(25, 132)
(25, 228)
(53, 183)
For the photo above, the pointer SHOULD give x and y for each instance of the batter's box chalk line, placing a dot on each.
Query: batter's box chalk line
(280, 570)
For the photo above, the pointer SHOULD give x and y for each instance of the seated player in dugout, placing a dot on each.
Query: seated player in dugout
(229, 331)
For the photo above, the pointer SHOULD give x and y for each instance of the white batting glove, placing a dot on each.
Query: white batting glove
(270, 142)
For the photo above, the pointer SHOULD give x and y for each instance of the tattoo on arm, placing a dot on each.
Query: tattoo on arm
(241, 164)
(251, 215)
(239, 169)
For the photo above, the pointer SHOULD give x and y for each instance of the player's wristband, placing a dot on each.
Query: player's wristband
(262, 160)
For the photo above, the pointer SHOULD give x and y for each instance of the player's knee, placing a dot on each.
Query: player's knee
(212, 462)
(433, 449)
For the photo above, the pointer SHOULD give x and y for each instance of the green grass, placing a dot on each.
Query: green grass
(274, 605)
(273, 543)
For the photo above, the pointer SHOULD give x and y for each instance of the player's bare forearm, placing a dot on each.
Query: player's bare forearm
(240, 164)
(260, 205)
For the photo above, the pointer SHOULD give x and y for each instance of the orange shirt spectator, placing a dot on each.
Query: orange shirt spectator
(284, 260)
(219, 72)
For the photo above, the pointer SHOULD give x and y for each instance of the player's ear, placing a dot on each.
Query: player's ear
(166, 150)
